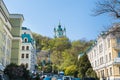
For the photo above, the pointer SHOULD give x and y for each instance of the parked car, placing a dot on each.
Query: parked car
(67, 78)
(77, 79)
(47, 78)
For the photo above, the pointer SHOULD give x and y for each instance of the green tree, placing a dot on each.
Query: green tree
(85, 68)
(83, 65)
(60, 45)
(71, 70)
(48, 68)
(91, 73)
(16, 72)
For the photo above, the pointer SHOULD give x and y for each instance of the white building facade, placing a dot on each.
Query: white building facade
(104, 55)
(28, 50)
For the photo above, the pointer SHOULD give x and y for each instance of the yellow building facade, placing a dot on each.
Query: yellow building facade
(10, 36)
(104, 55)
(5, 35)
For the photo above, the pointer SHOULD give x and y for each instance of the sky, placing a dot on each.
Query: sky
(41, 16)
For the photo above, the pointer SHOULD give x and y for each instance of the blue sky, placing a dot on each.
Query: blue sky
(41, 16)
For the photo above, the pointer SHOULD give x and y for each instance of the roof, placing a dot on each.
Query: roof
(25, 28)
(30, 39)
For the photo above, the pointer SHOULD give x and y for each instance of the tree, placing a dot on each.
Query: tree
(60, 45)
(108, 6)
(85, 68)
(16, 72)
(71, 70)
(83, 65)
(48, 68)
(91, 73)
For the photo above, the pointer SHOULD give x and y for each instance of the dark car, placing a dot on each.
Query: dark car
(88, 79)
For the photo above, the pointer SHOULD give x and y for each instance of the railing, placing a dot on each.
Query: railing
(117, 46)
(116, 61)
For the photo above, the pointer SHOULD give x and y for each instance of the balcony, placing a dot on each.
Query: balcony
(117, 46)
(116, 60)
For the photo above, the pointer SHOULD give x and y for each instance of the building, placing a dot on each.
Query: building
(9, 35)
(104, 55)
(5, 35)
(28, 50)
(59, 31)
(16, 22)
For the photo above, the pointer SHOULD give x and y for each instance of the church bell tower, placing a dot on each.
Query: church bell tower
(59, 31)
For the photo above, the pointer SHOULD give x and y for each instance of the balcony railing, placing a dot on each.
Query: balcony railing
(117, 46)
(117, 60)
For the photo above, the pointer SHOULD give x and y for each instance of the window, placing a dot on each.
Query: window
(108, 43)
(100, 48)
(101, 60)
(3, 49)
(23, 47)
(27, 55)
(119, 70)
(22, 56)
(107, 72)
(95, 52)
(8, 42)
(109, 56)
(102, 73)
(27, 48)
(118, 40)
(106, 58)
(98, 62)
(95, 64)
(110, 71)
(26, 40)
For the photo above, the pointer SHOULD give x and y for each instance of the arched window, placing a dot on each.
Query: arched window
(27, 55)
(27, 47)
(110, 57)
(23, 47)
(25, 40)
(22, 56)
